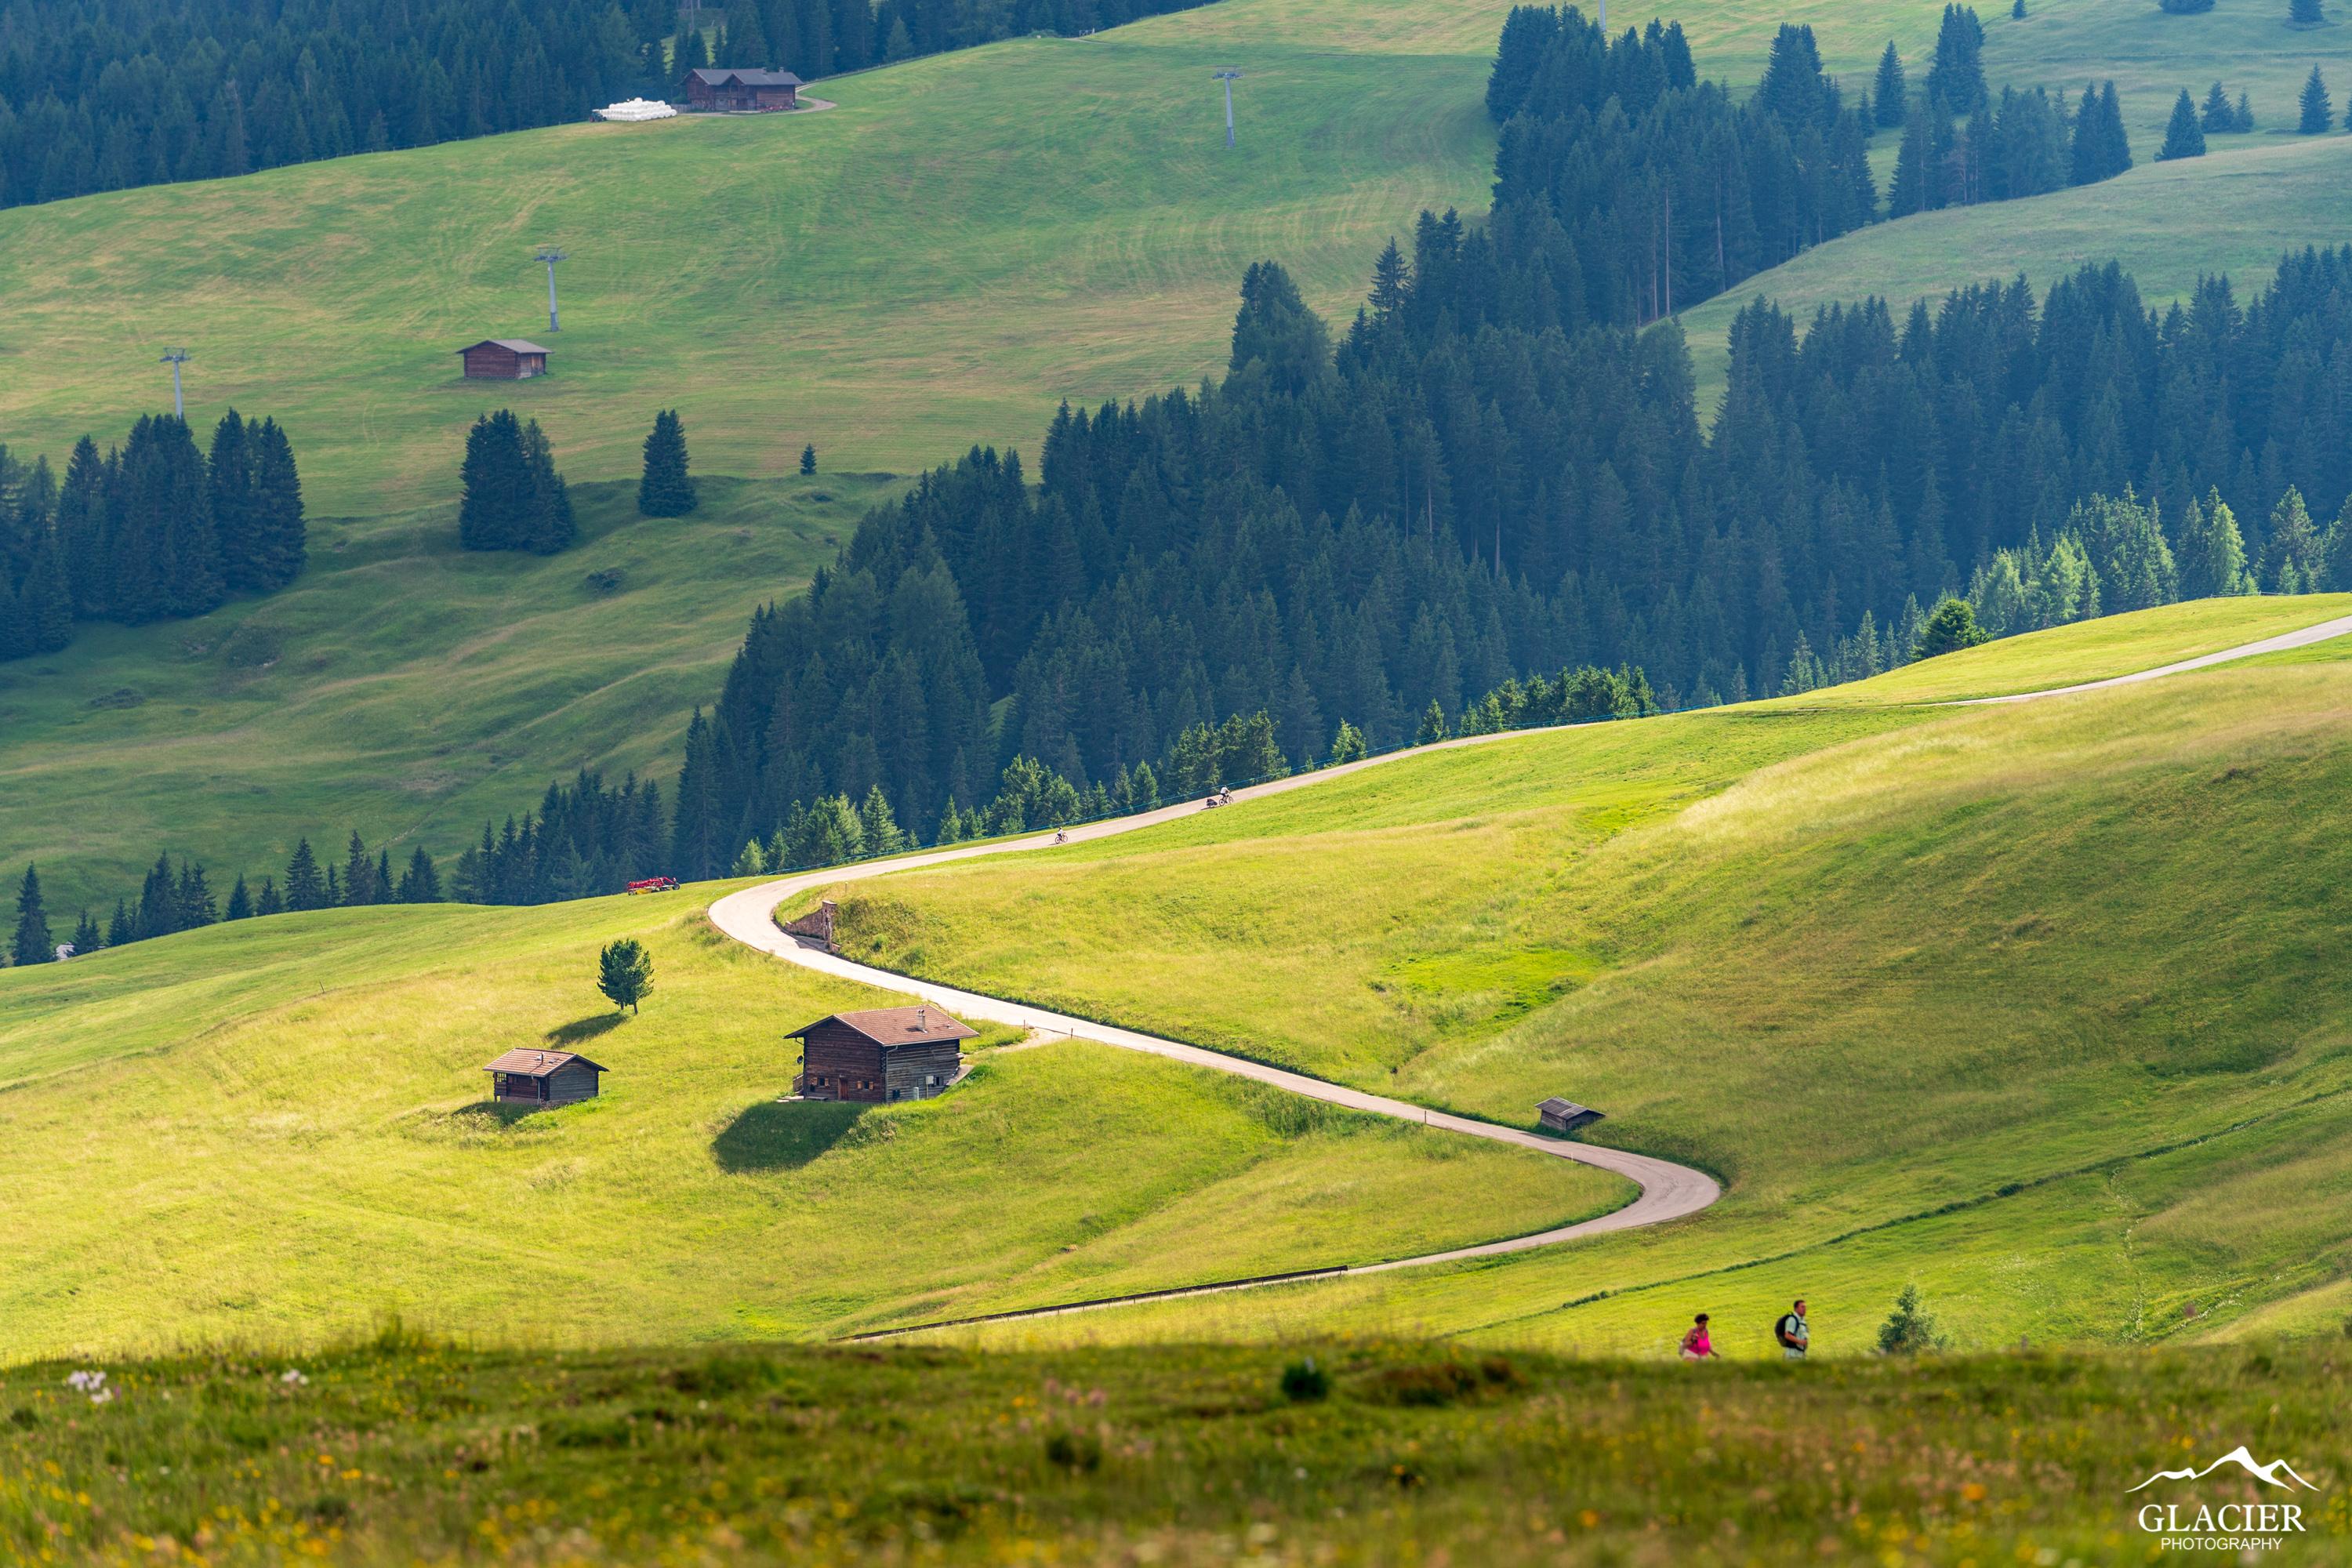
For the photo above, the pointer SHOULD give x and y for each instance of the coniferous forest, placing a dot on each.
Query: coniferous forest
(109, 94)
(156, 529)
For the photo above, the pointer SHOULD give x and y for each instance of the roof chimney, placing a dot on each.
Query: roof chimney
(923, 1019)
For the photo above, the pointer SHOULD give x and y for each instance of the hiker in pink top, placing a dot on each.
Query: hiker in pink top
(1697, 1344)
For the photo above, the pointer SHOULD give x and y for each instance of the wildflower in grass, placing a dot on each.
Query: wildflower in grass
(91, 1383)
(292, 1378)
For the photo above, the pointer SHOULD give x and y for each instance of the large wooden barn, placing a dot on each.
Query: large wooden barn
(885, 1055)
(543, 1078)
(504, 359)
(740, 89)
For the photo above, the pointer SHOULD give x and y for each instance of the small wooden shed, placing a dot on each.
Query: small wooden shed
(885, 1055)
(1557, 1115)
(741, 88)
(543, 1078)
(504, 359)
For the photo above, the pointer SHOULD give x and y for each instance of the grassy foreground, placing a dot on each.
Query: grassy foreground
(1417, 1455)
(1919, 985)
(288, 1120)
(402, 687)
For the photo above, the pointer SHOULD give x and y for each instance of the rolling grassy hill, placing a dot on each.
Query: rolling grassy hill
(1715, 927)
(2028, 1005)
(964, 240)
(2234, 210)
(285, 1118)
(402, 687)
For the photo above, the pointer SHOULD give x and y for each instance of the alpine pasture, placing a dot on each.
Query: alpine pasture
(1907, 979)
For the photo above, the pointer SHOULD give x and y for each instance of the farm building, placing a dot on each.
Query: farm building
(504, 359)
(1557, 1115)
(736, 88)
(543, 1078)
(885, 1055)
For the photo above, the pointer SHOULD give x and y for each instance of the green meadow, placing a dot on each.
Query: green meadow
(963, 241)
(1910, 981)
(407, 1451)
(402, 687)
(287, 1118)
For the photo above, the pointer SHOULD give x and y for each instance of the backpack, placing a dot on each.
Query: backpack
(1784, 1328)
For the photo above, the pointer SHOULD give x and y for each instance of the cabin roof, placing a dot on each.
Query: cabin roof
(750, 76)
(539, 1064)
(514, 344)
(897, 1025)
(1556, 1105)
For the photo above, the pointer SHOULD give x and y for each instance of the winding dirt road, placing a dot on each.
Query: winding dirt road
(1668, 1190)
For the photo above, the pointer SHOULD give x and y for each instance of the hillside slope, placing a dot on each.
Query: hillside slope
(1911, 978)
(286, 1117)
(402, 687)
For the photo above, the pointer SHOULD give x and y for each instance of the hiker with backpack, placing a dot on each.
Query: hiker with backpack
(1794, 1336)
(1698, 1344)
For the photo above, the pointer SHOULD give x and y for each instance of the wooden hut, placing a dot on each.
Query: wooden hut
(741, 90)
(1557, 1115)
(543, 1078)
(504, 359)
(885, 1055)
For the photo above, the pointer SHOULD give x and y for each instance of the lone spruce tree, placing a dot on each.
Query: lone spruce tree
(624, 973)
(2183, 138)
(2318, 113)
(2304, 13)
(808, 459)
(666, 490)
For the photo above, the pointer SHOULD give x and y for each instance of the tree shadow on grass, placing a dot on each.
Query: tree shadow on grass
(783, 1135)
(586, 1028)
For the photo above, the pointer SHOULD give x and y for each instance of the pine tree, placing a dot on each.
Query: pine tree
(1347, 744)
(2115, 143)
(624, 973)
(696, 837)
(87, 937)
(279, 539)
(240, 902)
(2217, 117)
(304, 887)
(2017, 9)
(547, 526)
(496, 485)
(2318, 111)
(2244, 119)
(808, 459)
(1953, 626)
(2212, 551)
(2305, 13)
(120, 930)
(271, 901)
(229, 471)
(359, 873)
(879, 827)
(2184, 137)
(420, 884)
(666, 490)
(1432, 725)
(1887, 95)
(32, 943)
(2294, 559)
(1957, 74)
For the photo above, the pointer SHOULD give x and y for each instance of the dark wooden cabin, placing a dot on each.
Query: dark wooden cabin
(1557, 1115)
(885, 1055)
(504, 359)
(543, 1078)
(740, 89)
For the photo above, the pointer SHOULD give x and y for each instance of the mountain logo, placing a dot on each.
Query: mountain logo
(2277, 1473)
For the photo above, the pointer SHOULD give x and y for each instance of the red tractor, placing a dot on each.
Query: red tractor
(654, 885)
